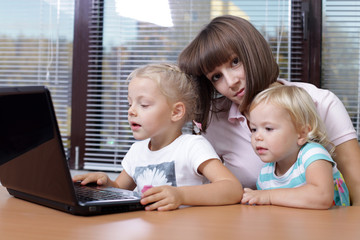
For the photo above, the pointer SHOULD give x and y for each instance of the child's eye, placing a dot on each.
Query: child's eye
(252, 130)
(269, 129)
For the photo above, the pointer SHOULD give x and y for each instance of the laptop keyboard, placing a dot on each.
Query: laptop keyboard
(86, 193)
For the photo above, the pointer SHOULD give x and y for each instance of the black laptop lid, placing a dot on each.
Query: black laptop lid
(32, 158)
(24, 124)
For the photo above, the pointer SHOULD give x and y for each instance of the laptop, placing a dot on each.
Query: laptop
(33, 165)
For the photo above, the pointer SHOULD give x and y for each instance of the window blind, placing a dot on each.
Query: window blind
(341, 53)
(296, 44)
(125, 35)
(36, 49)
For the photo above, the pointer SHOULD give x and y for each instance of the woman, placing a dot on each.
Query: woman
(229, 56)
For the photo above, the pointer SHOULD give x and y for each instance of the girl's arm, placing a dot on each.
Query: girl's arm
(100, 178)
(123, 181)
(317, 193)
(223, 189)
(347, 157)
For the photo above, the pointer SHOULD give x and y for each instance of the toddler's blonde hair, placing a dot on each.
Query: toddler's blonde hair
(301, 108)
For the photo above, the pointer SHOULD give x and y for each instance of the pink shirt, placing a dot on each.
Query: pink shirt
(229, 134)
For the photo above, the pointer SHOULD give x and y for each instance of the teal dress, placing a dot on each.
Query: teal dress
(295, 176)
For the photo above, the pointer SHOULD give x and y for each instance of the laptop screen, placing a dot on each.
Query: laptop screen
(24, 124)
(32, 158)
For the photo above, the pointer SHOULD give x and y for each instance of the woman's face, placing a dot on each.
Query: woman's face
(229, 79)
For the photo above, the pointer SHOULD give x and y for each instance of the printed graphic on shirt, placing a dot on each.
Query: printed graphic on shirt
(155, 175)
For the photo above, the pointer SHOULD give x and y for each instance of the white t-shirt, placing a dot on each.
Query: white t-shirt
(176, 164)
(229, 133)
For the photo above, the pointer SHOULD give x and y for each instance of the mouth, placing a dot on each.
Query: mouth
(134, 126)
(261, 150)
(240, 93)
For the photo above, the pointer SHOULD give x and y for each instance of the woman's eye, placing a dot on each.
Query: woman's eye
(215, 77)
(235, 61)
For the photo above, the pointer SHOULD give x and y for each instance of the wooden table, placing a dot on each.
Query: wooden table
(24, 220)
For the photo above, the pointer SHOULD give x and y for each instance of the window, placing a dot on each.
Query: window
(122, 37)
(84, 50)
(36, 49)
(341, 54)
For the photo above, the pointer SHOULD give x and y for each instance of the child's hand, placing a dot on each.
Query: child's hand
(162, 198)
(260, 197)
(99, 178)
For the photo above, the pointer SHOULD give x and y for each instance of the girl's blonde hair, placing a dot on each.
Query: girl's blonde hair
(301, 108)
(174, 84)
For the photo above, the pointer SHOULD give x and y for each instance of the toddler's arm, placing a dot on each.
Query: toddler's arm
(223, 189)
(317, 193)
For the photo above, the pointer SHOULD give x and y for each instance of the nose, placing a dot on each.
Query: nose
(131, 111)
(258, 136)
(230, 78)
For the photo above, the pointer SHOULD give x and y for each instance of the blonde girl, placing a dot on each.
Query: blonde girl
(168, 167)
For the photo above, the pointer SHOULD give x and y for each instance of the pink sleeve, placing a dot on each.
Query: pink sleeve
(337, 121)
(332, 111)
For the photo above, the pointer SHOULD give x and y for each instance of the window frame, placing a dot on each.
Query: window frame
(311, 60)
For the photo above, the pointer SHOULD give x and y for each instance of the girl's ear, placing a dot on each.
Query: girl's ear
(178, 111)
(303, 135)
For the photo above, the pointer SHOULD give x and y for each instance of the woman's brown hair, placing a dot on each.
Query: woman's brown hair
(215, 44)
